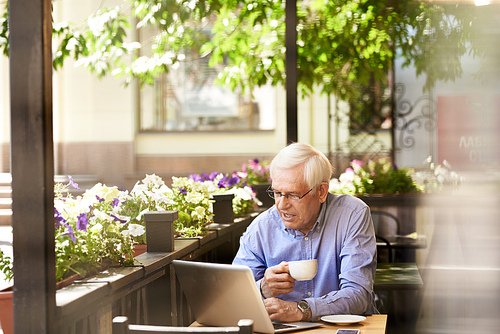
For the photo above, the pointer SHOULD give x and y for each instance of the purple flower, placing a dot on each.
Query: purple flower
(183, 191)
(73, 183)
(118, 219)
(213, 175)
(196, 178)
(205, 176)
(115, 202)
(224, 182)
(59, 218)
(233, 181)
(99, 199)
(82, 222)
(70, 232)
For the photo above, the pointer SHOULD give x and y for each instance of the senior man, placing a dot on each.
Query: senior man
(308, 222)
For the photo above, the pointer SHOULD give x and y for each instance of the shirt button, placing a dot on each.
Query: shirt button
(306, 238)
(309, 293)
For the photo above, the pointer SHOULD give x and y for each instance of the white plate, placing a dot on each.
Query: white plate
(343, 319)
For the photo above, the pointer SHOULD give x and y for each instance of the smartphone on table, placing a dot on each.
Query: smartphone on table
(347, 331)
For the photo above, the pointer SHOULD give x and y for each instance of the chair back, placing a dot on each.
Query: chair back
(385, 223)
(121, 326)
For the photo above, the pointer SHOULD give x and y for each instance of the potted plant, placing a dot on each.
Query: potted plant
(191, 201)
(374, 177)
(244, 199)
(438, 177)
(6, 315)
(257, 174)
(148, 195)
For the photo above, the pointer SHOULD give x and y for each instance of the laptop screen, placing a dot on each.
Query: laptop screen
(223, 294)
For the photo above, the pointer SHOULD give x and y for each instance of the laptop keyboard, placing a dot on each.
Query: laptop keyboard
(278, 325)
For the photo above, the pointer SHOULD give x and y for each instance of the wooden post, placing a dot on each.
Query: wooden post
(291, 71)
(223, 208)
(160, 230)
(32, 165)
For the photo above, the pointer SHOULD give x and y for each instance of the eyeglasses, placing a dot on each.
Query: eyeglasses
(290, 197)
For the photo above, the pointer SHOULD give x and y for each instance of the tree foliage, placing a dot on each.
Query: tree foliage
(341, 44)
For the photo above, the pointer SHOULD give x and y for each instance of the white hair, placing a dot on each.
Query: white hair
(317, 167)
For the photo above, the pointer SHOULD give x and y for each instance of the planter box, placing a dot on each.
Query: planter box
(402, 200)
(6, 311)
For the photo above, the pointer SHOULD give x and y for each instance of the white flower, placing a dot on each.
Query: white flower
(194, 198)
(198, 212)
(159, 197)
(139, 216)
(347, 176)
(139, 189)
(246, 193)
(211, 187)
(102, 215)
(153, 181)
(102, 191)
(136, 230)
(97, 227)
(334, 185)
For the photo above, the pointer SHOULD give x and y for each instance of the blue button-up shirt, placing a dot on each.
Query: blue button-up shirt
(343, 242)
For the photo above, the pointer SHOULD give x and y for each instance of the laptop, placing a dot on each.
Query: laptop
(223, 294)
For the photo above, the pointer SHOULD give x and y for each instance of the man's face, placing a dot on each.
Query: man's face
(300, 215)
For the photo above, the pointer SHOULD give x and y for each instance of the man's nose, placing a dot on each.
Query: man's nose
(282, 202)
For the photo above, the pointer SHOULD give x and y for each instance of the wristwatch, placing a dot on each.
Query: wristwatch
(303, 306)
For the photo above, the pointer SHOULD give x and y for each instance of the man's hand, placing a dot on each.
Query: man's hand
(280, 310)
(277, 281)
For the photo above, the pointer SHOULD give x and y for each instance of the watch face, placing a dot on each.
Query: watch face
(303, 306)
(305, 309)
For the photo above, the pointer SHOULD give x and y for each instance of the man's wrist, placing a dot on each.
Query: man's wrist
(262, 289)
(303, 307)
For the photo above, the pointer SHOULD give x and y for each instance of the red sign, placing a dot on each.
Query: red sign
(468, 131)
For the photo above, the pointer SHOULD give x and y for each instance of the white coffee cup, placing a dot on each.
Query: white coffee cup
(303, 270)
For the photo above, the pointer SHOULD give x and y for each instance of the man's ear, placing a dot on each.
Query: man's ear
(323, 191)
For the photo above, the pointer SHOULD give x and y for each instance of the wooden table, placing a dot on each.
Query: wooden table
(403, 242)
(374, 324)
(397, 276)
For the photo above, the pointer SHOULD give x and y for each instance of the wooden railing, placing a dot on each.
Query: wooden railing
(147, 292)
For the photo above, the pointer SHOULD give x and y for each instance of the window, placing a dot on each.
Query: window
(371, 111)
(186, 99)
